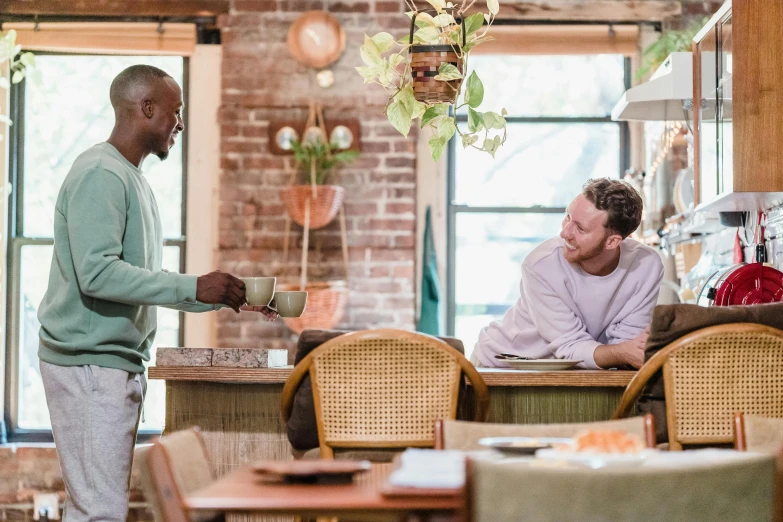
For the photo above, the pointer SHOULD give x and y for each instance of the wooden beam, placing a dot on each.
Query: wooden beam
(582, 10)
(118, 8)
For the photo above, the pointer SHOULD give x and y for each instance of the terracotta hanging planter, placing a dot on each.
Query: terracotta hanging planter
(325, 305)
(325, 201)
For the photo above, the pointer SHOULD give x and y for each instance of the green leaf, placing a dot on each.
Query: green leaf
(418, 110)
(443, 20)
(491, 145)
(370, 53)
(468, 140)
(384, 42)
(474, 92)
(399, 117)
(407, 98)
(396, 59)
(446, 129)
(17, 77)
(493, 6)
(437, 4)
(503, 112)
(433, 112)
(437, 146)
(473, 23)
(368, 73)
(493, 120)
(475, 120)
(28, 59)
(426, 35)
(447, 72)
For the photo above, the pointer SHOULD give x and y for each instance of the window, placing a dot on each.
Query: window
(58, 117)
(559, 135)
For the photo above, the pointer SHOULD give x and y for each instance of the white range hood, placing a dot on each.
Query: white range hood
(661, 98)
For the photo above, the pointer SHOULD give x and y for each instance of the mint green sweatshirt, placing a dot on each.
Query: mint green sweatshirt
(106, 277)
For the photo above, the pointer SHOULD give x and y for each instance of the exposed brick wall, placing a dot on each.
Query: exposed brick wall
(29, 469)
(262, 83)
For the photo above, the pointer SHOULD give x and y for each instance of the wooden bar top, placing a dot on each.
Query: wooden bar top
(492, 376)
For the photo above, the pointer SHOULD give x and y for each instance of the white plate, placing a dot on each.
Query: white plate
(522, 445)
(542, 364)
(595, 460)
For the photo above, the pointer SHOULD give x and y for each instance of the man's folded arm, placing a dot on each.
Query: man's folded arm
(556, 323)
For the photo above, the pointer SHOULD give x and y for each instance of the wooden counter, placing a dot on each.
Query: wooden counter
(492, 376)
(238, 408)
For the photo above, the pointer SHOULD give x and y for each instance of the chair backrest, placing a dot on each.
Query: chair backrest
(738, 490)
(755, 433)
(176, 465)
(383, 389)
(464, 435)
(716, 371)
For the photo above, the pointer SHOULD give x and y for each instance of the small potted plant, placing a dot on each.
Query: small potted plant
(423, 73)
(316, 159)
(18, 63)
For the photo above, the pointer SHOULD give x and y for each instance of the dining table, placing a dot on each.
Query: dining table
(246, 492)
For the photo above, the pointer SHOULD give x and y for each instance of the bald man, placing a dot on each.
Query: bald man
(98, 316)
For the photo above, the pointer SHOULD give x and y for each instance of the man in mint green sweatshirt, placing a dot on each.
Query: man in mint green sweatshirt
(98, 317)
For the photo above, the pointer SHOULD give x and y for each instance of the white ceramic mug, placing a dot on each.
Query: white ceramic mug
(289, 304)
(259, 290)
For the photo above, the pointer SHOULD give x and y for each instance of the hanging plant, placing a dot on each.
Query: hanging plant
(423, 73)
(19, 63)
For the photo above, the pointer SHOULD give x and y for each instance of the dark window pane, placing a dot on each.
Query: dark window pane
(540, 164)
(489, 252)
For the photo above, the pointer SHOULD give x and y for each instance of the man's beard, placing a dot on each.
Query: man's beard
(590, 254)
(162, 154)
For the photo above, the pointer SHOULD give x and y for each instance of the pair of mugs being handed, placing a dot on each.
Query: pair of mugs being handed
(255, 294)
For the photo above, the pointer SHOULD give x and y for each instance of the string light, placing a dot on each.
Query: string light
(667, 140)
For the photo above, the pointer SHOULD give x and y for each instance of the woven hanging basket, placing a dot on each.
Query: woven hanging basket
(325, 305)
(425, 62)
(325, 201)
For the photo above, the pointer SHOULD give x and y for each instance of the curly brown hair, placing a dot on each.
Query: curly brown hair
(620, 201)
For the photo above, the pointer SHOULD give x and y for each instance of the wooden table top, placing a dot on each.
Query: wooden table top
(492, 376)
(243, 490)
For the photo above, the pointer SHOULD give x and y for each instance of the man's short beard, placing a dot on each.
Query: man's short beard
(162, 155)
(599, 248)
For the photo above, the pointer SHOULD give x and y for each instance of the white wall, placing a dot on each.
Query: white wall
(431, 189)
(202, 181)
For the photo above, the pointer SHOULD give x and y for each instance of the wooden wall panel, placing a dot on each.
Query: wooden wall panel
(757, 94)
(162, 8)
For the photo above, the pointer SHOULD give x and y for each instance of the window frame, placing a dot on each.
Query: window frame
(17, 240)
(453, 209)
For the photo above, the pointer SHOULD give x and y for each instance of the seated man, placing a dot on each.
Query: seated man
(587, 294)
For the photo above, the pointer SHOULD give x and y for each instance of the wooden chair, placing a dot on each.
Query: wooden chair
(754, 433)
(383, 389)
(711, 373)
(176, 465)
(739, 490)
(464, 435)
(760, 434)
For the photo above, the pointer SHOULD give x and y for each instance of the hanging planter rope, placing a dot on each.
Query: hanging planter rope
(323, 200)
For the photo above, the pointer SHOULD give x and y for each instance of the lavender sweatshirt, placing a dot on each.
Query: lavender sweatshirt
(565, 313)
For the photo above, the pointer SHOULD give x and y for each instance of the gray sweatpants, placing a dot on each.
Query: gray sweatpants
(95, 416)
